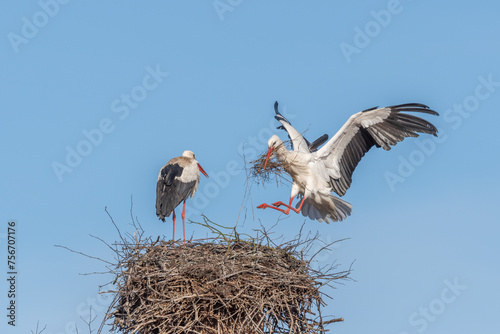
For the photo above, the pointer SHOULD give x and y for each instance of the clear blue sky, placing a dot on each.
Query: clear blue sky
(146, 81)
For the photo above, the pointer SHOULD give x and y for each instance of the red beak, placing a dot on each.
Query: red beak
(268, 155)
(202, 170)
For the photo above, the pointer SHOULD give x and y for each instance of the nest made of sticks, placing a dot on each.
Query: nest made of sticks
(274, 171)
(223, 286)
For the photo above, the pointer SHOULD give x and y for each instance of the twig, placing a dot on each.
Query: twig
(36, 330)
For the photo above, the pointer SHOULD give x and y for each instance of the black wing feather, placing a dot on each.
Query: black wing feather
(170, 191)
(169, 172)
(313, 147)
(396, 127)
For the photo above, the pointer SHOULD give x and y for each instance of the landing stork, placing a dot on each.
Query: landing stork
(177, 180)
(317, 174)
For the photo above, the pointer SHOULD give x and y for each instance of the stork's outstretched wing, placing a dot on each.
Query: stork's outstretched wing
(383, 127)
(299, 143)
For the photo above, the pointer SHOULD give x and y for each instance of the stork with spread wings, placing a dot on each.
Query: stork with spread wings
(317, 172)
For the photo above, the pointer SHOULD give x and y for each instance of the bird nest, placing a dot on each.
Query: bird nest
(223, 285)
(273, 171)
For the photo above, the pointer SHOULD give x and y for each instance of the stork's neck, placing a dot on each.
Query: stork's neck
(280, 149)
(291, 161)
(281, 152)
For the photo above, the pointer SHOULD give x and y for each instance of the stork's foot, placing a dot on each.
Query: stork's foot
(276, 205)
(287, 206)
(264, 206)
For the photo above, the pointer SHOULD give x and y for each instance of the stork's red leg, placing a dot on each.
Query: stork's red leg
(276, 205)
(183, 226)
(300, 206)
(173, 218)
(289, 206)
(281, 203)
(264, 206)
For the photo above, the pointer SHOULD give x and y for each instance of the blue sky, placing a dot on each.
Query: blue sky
(129, 85)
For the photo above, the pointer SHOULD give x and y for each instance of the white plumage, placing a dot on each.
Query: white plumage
(316, 174)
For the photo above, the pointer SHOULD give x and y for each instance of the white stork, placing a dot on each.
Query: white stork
(177, 180)
(316, 174)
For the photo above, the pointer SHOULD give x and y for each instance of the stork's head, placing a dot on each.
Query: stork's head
(272, 143)
(190, 155)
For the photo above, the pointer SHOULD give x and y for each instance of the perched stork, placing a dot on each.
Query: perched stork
(317, 173)
(177, 180)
